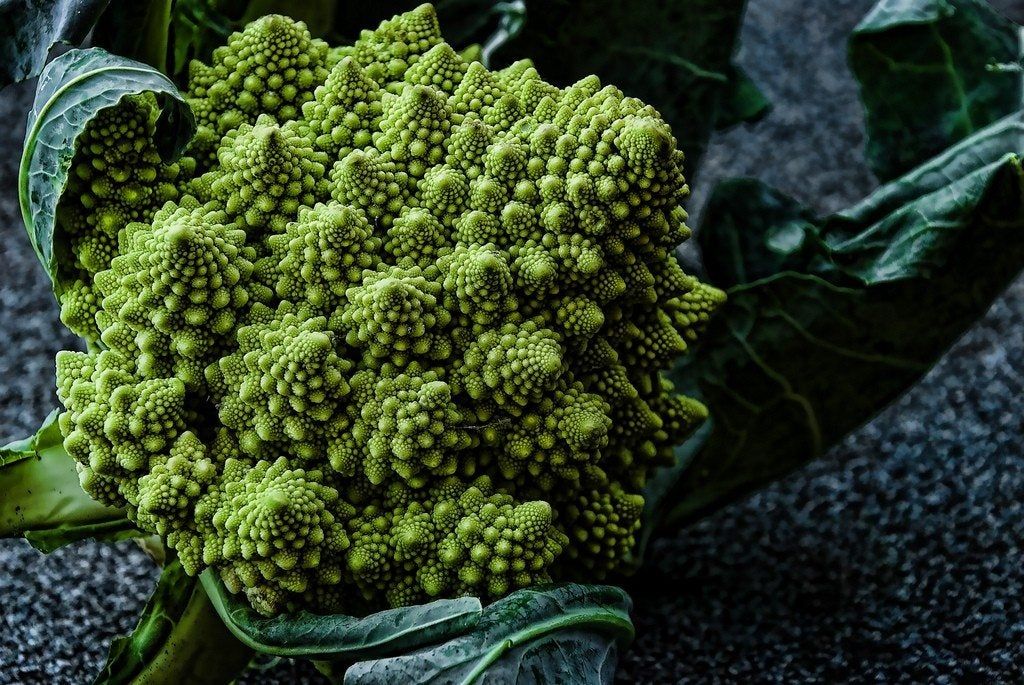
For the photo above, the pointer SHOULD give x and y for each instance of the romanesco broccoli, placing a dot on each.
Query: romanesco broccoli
(393, 330)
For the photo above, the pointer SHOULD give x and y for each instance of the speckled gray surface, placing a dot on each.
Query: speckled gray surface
(896, 558)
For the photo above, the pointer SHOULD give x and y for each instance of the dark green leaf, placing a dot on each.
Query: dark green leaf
(930, 196)
(71, 90)
(313, 636)
(29, 28)
(742, 103)
(464, 21)
(41, 500)
(179, 639)
(932, 72)
(491, 23)
(136, 30)
(197, 27)
(738, 249)
(823, 332)
(558, 634)
(318, 15)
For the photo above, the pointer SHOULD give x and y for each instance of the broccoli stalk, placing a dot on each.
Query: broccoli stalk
(180, 638)
(199, 649)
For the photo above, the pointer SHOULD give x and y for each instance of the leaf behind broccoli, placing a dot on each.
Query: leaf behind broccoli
(318, 15)
(677, 56)
(825, 331)
(137, 30)
(754, 232)
(660, 487)
(932, 72)
(564, 633)
(28, 31)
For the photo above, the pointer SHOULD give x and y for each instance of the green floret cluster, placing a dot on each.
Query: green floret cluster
(393, 330)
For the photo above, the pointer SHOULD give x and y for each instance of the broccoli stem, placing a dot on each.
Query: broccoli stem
(199, 650)
(41, 499)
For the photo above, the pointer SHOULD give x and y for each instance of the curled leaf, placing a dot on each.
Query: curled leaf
(71, 90)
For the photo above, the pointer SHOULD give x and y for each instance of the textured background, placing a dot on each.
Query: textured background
(897, 557)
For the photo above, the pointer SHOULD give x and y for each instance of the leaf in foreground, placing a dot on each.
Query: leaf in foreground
(71, 90)
(830, 320)
(340, 637)
(179, 639)
(41, 499)
(565, 633)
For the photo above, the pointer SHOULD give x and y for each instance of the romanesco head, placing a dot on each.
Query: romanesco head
(394, 330)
